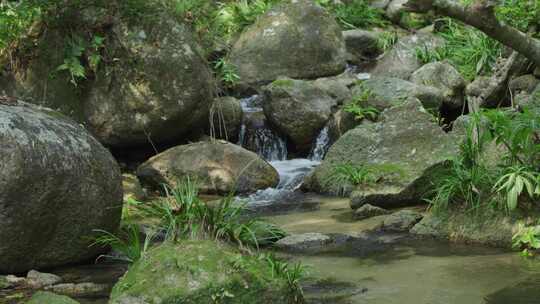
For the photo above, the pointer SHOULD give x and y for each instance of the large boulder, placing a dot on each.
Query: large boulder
(298, 109)
(362, 44)
(402, 153)
(386, 92)
(200, 272)
(297, 39)
(57, 184)
(45, 297)
(219, 167)
(152, 83)
(444, 77)
(402, 60)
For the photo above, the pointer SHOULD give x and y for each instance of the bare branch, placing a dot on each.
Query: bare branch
(481, 15)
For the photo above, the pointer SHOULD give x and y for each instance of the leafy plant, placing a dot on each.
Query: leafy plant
(183, 215)
(387, 40)
(359, 108)
(292, 274)
(513, 183)
(355, 13)
(75, 51)
(128, 242)
(226, 72)
(527, 240)
(469, 50)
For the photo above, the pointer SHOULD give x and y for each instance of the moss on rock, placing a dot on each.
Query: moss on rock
(200, 272)
(42, 297)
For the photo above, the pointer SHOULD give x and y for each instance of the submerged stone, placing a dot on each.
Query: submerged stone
(401, 221)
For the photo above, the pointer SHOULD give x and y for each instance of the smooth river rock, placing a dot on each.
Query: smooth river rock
(218, 166)
(57, 184)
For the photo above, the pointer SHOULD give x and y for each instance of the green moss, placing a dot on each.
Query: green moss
(201, 272)
(283, 83)
(42, 297)
(3, 283)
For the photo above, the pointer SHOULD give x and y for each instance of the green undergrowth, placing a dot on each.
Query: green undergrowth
(498, 167)
(472, 52)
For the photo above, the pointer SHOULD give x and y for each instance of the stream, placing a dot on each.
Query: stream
(401, 272)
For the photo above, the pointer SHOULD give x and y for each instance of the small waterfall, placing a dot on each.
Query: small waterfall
(322, 143)
(256, 136)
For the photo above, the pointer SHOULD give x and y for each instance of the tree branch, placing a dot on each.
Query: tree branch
(481, 15)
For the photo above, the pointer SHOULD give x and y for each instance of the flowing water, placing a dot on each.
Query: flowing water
(412, 271)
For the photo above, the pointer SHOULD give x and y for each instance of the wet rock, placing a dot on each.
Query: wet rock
(195, 271)
(401, 221)
(154, 82)
(132, 188)
(226, 116)
(312, 242)
(218, 166)
(298, 109)
(362, 44)
(401, 61)
(37, 280)
(385, 92)
(57, 185)
(367, 211)
(429, 226)
(297, 39)
(80, 290)
(13, 280)
(536, 72)
(330, 290)
(337, 87)
(42, 297)
(403, 152)
(445, 77)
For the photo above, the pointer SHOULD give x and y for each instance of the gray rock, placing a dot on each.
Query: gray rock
(296, 39)
(37, 280)
(219, 167)
(337, 87)
(386, 92)
(401, 61)
(429, 226)
(395, 9)
(298, 109)
(367, 211)
(523, 84)
(226, 115)
(57, 185)
(341, 122)
(403, 152)
(401, 221)
(4, 284)
(312, 242)
(362, 44)
(380, 4)
(446, 78)
(536, 72)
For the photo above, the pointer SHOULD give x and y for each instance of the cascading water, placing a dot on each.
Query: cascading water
(322, 143)
(256, 136)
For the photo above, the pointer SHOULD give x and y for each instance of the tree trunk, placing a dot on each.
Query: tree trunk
(481, 15)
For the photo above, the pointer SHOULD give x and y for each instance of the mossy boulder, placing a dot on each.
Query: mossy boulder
(45, 297)
(200, 272)
(386, 92)
(152, 81)
(403, 152)
(444, 77)
(297, 39)
(57, 184)
(298, 109)
(219, 167)
(402, 60)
